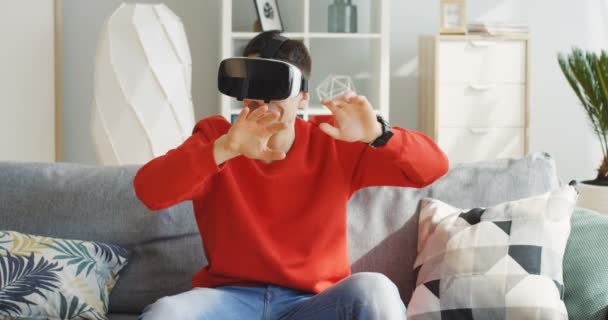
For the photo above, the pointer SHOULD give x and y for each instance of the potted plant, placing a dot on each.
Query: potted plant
(587, 73)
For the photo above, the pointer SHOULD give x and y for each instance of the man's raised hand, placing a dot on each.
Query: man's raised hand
(355, 119)
(249, 135)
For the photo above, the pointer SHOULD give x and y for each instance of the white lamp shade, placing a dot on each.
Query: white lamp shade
(142, 105)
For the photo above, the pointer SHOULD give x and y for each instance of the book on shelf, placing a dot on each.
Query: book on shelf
(497, 28)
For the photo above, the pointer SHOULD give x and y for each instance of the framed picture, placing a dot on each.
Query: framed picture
(453, 17)
(268, 15)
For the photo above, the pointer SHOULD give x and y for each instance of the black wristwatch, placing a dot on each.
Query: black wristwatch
(385, 136)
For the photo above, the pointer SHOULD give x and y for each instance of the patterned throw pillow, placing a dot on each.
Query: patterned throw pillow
(47, 278)
(503, 262)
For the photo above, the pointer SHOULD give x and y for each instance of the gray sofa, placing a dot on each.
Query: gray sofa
(98, 203)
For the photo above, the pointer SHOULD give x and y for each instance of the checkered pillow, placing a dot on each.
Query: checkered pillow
(503, 262)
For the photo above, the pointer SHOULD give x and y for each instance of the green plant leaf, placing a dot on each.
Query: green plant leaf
(76, 254)
(21, 277)
(74, 309)
(587, 75)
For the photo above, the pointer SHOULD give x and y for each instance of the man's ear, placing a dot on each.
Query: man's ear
(304, 100)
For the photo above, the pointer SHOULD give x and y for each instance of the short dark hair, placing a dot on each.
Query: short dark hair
(292, 51)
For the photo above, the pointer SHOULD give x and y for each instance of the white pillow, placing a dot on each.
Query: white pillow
(503, 262)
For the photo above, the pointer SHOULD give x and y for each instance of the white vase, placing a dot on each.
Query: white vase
(593, 197)
(142, 106)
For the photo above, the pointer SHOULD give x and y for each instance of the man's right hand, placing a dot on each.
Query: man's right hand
(249, 136)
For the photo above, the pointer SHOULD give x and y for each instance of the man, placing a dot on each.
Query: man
(270, 194)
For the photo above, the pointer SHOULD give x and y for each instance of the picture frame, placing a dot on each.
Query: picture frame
(268, 15)
(453, 18)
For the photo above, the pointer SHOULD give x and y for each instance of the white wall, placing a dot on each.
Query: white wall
(558, 123)
(27, 77)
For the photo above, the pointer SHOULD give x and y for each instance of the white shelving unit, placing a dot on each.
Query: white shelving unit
(364, 56)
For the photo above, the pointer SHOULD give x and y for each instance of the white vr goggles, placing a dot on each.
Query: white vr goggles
(262, 78)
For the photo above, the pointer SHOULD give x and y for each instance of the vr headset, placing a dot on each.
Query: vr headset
(262, 78)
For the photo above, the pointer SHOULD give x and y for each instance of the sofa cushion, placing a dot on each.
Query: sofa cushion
(98, 203)
(586, 266)
(383, 226)
(494, 262)
(56, 278)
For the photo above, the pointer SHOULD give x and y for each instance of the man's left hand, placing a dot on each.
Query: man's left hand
(355, 119)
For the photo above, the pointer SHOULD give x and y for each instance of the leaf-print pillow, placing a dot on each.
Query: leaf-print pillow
(49, 278)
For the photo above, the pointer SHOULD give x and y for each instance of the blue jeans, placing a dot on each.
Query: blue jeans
(363, 296)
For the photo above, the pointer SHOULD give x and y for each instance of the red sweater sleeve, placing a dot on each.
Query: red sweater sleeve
(181, 173)
(409, 159)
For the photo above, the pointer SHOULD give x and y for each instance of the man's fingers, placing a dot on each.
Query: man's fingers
(242, 115)
(276, 127)
(255, 114)
(330, 130)
(360, 99)
(341, 102)
(349, 99)
(344, 98)
(268, 117)
(331, 105)
(347, 96)
(270, 154)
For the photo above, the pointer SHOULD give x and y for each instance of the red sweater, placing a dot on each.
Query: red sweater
(282, 223)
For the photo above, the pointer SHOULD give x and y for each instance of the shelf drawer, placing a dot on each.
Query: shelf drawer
(475, 106)
(477, 144)
(482, 62)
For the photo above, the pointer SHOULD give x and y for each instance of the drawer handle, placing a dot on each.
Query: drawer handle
(482, 43)
(479, 130)
(482, 87)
